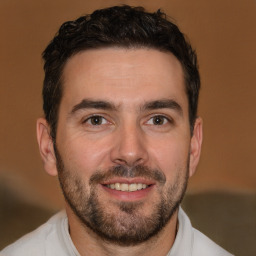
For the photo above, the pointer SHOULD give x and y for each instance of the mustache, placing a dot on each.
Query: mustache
(128, 172)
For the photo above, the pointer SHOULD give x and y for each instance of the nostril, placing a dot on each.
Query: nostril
(129, 162)
(121, 161)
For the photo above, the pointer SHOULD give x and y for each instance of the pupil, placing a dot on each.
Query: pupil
(96, 120)
(158, 120)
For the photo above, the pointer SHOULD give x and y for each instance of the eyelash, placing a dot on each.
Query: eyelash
(166, 120)
(105, 121)
(95, 116)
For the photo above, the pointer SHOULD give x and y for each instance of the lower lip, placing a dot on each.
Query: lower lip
(128, 196)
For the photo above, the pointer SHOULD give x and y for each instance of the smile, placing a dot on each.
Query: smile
(127, 187)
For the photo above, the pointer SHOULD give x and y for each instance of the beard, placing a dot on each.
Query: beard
(128, 225)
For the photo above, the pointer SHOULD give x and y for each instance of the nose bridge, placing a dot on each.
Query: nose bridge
(130, 145)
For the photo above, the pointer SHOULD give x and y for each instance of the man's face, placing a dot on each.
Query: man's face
(123, 143)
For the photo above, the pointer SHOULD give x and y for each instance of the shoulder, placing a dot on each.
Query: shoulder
(202, 245)
(192, 242)
(37, 242)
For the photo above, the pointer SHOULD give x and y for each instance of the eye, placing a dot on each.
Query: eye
(96, 120)
(158, 120)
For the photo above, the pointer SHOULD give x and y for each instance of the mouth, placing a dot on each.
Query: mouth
(125, 187)
(128, 189)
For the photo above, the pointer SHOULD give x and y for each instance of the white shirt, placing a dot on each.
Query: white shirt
(191, 242)
(53, 239)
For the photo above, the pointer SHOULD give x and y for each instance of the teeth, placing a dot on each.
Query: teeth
(124, 187)
(127, 187)
(139, 186)
(117, 186)
(132, 187)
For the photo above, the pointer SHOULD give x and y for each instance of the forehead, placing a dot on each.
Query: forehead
(123, 75)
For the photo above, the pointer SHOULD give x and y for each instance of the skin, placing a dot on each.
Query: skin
(129, 80)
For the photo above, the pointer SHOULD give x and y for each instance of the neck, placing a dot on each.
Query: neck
(90, 244)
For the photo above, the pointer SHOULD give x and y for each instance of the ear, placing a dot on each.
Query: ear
(46, 148)
(195, 145)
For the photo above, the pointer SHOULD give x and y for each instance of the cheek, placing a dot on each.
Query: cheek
(170, 155)
(85, 156)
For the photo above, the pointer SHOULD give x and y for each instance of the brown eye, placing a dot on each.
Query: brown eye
(159, 120)
(96, 120)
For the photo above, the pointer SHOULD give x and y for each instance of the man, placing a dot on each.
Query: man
(121, 132)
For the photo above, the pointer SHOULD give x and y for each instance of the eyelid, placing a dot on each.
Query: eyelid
(94, 115)
(168, 119)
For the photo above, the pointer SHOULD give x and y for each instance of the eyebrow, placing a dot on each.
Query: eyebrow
(164, 103)
(151, 105)
(86, 104)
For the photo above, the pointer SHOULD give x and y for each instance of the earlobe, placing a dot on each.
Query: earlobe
(46, 148)
(195, 145)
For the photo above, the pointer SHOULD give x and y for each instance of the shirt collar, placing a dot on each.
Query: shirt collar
(183, 244)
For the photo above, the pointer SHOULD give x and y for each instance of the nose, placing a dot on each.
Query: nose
(129, 147)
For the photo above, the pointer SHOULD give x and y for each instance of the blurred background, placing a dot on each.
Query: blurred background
(221, 198)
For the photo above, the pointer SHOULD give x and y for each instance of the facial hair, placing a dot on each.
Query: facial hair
(127, 226)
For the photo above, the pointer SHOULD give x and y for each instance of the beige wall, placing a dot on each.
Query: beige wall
(224, 35)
